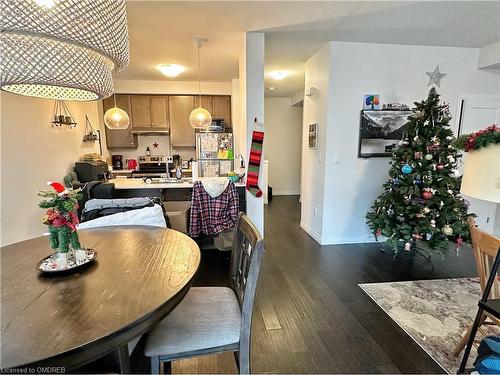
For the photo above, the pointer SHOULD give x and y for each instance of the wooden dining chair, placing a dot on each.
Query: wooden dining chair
(214, 319)
(485, 247)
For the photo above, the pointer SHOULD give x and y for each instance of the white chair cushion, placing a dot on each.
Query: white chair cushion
(207, 317)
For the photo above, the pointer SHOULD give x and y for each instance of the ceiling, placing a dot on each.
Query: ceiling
(161, 32)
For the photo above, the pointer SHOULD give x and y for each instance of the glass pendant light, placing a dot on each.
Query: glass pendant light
(199, 118)
(116, 118)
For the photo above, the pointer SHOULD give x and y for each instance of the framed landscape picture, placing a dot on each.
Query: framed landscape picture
(380, 131)
(313, 136)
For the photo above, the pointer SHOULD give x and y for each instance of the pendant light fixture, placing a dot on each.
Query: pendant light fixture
(62, 49)
(116, 118)
(199, 118)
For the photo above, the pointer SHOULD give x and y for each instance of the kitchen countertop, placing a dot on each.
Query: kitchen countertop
(118, 171)
(138, 183)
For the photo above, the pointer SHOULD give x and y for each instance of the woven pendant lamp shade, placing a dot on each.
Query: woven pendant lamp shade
(67, 51)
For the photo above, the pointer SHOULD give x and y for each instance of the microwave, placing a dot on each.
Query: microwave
(217, 125)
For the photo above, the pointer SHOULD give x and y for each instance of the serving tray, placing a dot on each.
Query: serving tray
(49, 264)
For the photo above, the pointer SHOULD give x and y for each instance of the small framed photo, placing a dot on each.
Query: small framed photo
(371, 101)
(313, 136)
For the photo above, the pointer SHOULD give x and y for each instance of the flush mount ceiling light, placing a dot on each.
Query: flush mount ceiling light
(171, 70)
(62, 49)
(278, 74)
(199, 118)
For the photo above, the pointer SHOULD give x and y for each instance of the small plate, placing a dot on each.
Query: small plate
(49, 264)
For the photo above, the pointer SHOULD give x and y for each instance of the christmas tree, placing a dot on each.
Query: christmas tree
(421, 199)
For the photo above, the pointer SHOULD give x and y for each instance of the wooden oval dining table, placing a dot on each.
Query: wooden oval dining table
(139, 276)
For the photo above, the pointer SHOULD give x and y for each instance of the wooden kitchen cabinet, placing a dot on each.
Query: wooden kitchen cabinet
(119, 138)
(181, 132)
(141, 111)
(207, 102)
(159, 111)
(222, 109)
(149, 111)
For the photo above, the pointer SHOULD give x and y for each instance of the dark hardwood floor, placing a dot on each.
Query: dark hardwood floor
(311, 316)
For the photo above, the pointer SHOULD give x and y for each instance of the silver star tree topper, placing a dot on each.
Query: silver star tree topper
(435, 77)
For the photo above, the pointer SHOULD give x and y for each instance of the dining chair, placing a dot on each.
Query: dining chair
(485, 248)
(214, 319)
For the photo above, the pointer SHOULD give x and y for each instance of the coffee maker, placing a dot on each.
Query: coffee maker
(117, 161)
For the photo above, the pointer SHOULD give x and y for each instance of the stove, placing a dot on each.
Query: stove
(152, 166)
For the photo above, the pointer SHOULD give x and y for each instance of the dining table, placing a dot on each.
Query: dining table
(51, 322)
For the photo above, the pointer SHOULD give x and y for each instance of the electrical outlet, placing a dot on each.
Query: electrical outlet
(315, 211)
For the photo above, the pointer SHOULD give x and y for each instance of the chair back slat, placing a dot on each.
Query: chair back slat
(485, 247)
(246, 239)
(246, 258)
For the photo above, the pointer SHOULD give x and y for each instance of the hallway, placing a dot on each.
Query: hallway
(308, 302)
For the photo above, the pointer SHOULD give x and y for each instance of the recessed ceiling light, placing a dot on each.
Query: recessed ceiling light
(278, 74)
(171, 70)
(271, 88)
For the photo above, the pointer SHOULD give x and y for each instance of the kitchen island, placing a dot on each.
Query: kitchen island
(167, 191)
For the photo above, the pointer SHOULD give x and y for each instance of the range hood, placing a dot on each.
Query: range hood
(150, 131)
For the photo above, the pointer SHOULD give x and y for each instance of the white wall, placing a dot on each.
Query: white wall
(496, 229)
(283, 144)
(315, 110)
(397, 73)
(251, 84)
(239, 133)
(489, 56)
(163, 141)
(297, 98)
(171, 87)
(33, 152)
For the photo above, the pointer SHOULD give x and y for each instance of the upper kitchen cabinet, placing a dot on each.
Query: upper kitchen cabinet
(181, 132)
(159, 111)
(119, 138)
(222, 109)
(207, 102)
(150, 111)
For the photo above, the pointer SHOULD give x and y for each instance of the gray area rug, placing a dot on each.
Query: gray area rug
(435, 313)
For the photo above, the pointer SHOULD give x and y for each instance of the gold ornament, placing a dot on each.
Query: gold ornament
(447, 230)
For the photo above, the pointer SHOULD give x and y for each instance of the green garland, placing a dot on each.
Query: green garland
(479, 139)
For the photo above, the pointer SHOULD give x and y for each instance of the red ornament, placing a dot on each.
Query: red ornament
(440, 167)
(427, 195)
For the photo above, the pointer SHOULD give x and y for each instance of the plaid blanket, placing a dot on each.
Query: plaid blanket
(212, 216)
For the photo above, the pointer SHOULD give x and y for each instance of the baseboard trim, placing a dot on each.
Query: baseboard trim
(345, 241)
(337, 241)
(286, 192)
(311, 232)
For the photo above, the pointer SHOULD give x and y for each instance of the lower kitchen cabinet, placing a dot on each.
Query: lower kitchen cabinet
(119, 138)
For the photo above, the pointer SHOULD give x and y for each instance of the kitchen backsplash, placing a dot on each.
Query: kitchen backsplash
(158, 144)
